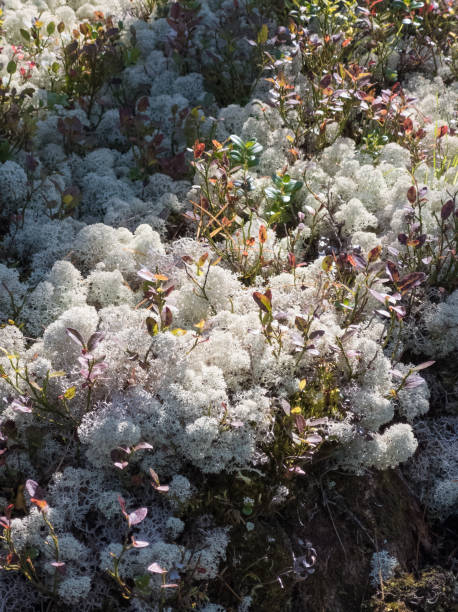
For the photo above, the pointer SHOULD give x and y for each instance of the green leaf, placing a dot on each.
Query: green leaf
(25, 34)
(142, 582)
(50, 28)
(236, 140)
(263, 35)
(11, 67)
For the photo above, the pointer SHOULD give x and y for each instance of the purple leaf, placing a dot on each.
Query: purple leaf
(75, 336)
(139, 543)
(423, 366)
(146, 274)
(137, 516)
(31, 487)
(316, 422)
(414, 381)
(399, 310)
(60, 566)
(94, 340)
(22, 404)
(447, 209)
(286, 406)
(155, 568)
(314, 439)
(381, 297)
(142, 446)
(297, 470)
(316, 334)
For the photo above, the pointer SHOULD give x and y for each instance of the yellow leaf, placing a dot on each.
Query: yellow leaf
(70, 393)
(178, 331)
(57, 374)
(327, 263)
(19, 502)
(302, 384)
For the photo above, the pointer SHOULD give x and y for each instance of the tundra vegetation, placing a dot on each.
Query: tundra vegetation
(228, 305)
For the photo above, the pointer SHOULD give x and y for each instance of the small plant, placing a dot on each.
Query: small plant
(281, 196)
(432, 256)
(70, 199)
(30, 397)
(155, 296)
(271, 326)
(73, 133)
(38, 37)
(132, 519)
(183, 19)
(145, 9)
(92, 367)
(17, 116)
(23, 562)
(94, 56)
(244, 153)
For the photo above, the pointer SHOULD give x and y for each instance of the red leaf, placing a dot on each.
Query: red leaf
(41, 503)
(410, 281)
(447, 209)
(199, 148)
(442, 131)
(412, 194)
(408, 125)
(325, 81)
(122, 503)
(262, 301)
(374, 254)
(392, 271)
